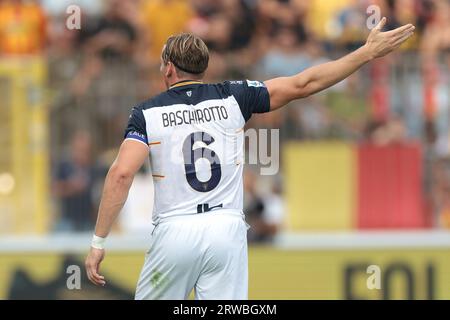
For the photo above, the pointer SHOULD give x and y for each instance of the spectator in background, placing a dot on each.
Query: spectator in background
(263, 213)
(436, 35)
(161, 19)
(226, 25)
(285, 13)
(64, 60)
(157, 20)
(286, 55)
(386, 132)
(274, 209)
(212, 22)
(22, 28)
(242, 15)
(112, 35)
(108, 39)
(73, 185)
(106, 82)
(253, 208)
(229, 28)
(347, 26)
(320, 16)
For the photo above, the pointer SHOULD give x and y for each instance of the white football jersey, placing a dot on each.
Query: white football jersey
(195, 134)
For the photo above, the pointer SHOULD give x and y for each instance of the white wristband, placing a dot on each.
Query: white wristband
(98, 242)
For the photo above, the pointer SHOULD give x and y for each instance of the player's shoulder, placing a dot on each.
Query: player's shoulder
(230, 84)
(228, 87)
(238, 85)
(159, 100)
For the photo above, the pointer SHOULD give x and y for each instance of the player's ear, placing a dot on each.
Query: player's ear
(170, 69)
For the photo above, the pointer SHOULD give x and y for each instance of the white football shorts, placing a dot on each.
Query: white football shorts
(206, 252)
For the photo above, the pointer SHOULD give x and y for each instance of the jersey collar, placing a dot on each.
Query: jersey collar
(185, 83)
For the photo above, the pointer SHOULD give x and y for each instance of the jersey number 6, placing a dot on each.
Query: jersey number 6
(191, 155)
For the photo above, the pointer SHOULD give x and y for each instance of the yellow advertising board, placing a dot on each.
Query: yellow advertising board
(320, 185)
(411, 273)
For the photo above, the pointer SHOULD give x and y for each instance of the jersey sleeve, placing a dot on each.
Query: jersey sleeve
(252, 97)
(136, 128)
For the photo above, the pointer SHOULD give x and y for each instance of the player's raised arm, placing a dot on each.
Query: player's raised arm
(285, 89)
(132, 155)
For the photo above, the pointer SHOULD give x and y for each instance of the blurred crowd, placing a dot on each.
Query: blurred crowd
(97, 72)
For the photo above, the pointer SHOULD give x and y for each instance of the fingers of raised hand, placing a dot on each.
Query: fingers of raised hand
(400, 31)
(380, 24)
(402, 39)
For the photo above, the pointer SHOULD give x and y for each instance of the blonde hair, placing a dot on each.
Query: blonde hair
(187, 52)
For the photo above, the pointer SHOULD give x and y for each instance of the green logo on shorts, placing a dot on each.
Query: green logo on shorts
(157, 279)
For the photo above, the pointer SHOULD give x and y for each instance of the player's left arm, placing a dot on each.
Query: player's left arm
(283, 90)
(131, 157)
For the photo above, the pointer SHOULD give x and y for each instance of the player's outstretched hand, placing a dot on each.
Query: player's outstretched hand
(381, 43)
(93, 260)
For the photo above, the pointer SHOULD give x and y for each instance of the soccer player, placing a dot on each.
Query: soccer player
(192, 133)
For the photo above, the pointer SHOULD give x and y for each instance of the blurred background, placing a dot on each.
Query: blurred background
(364, 173)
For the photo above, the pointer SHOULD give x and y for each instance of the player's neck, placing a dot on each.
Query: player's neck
(184, 81)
